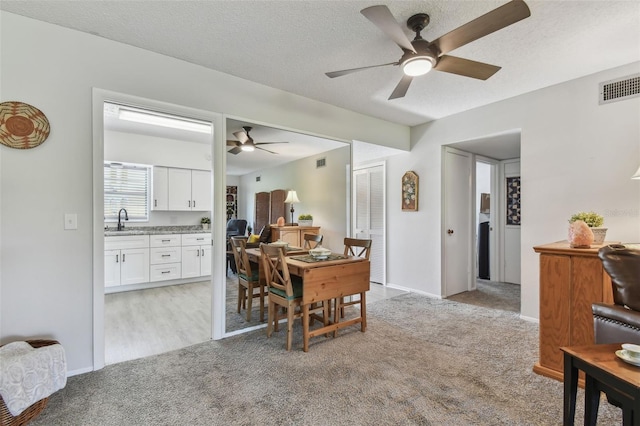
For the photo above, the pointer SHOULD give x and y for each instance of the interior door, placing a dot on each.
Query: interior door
(368, 208)
(457, 235)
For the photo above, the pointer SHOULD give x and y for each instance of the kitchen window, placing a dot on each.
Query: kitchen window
(126, 186)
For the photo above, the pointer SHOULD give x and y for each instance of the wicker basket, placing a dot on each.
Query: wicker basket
(34, 410)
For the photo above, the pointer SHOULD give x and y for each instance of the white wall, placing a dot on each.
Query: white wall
(575, 155)
(322, 192)
(46, 280)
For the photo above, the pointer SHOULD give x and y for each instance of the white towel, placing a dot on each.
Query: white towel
(28, 374)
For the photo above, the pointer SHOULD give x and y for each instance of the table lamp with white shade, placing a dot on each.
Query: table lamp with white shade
(292, 197)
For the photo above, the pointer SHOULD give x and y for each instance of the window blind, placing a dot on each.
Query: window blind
(126, 186)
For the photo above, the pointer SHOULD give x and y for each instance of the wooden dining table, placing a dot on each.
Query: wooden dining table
(325, 279)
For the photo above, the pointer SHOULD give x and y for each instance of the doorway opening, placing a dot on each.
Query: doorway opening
(475, 193)
(149, 312)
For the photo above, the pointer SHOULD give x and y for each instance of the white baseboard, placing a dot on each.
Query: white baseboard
(79, 371)
(413, 290)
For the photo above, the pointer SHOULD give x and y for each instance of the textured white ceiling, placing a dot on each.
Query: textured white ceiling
(291, 44)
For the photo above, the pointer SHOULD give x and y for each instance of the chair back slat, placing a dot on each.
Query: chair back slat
(357, 247)
(275, 267)
(243, 265)
(312, 241)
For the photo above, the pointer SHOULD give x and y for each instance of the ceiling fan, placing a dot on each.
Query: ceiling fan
(246, 142)
(420, 55)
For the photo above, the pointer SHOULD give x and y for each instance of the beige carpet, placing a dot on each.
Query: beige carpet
(422, 361)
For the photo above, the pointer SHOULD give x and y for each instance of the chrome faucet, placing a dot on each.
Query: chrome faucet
(126, 217)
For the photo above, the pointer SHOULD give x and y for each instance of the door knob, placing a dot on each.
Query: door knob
(450, 231)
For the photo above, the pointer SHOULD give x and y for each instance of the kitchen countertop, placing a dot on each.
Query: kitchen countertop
(155, 230)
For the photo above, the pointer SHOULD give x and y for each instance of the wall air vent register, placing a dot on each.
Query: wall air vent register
(619, 89)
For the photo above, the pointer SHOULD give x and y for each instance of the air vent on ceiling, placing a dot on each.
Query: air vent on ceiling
(257, 178)
(321, 162)
(619, 89)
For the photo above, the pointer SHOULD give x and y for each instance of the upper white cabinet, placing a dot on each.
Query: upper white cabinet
(179, 189)
(201, 190)
(160, 189)
(186, 190)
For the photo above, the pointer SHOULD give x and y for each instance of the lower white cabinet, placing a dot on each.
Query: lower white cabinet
(126, 266)
(164, 272)
(196, 255)
(135, 259)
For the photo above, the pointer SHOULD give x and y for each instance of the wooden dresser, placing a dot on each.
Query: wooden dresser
(292, 234)
(570, 281)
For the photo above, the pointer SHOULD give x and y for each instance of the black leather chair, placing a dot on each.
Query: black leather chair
(236, 227)
(265, 237)
(620, 322)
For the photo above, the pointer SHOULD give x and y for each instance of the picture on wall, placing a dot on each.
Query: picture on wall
(232, 202)
(513, 200)
(410, 191)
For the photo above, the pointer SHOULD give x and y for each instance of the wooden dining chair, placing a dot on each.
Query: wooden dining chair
(359, 248)
(312, 241)
(249, 285)
(285, 291)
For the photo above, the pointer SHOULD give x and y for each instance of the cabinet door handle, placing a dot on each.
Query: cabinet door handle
(197, 253)
(165, 272)
(117, 258)
(194, 203)
(166, 255)
(200, 239)
(189, 203)
(203, 252)
(166, 241)
(155, 203)
(123, 257)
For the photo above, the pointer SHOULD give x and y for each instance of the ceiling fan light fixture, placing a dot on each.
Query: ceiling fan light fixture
(418, 65)
(247, 147)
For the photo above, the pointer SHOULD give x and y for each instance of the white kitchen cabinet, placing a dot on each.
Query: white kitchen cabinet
(205, 260)
(196, 255)
(189, 189)
(201, 190)
(126, 260)
(127, 266)
(165, 272)
(160, 189)
(165, 257)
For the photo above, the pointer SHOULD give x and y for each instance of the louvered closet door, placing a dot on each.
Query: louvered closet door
(369, 202)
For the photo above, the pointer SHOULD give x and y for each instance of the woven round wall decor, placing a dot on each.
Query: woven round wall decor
(22, 126)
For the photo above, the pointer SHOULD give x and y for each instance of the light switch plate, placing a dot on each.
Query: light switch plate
(70, 221)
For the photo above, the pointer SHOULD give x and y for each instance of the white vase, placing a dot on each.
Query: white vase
(599, 235)
(305, 222)
(205, 226)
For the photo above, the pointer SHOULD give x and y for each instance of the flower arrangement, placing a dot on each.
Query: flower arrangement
(205, 220)
(305, 217)
(593, 220)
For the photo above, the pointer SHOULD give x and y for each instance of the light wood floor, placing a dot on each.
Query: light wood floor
(148, 322)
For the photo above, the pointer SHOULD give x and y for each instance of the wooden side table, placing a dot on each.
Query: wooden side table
(604, 372)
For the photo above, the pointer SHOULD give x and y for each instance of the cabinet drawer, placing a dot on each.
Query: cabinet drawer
(196, 239)
(161, 255)
(169, 271)
(126, 242)
(164, 240)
